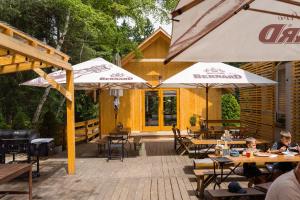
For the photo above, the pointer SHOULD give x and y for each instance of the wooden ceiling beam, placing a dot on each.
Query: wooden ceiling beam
(19, 47)
(8, 30)
(22, 67)
(53, 83)
(12, 59)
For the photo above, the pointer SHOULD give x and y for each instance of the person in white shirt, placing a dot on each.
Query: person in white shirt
(286, 186)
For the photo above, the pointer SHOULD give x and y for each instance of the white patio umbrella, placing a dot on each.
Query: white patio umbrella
(235, 31)
(94, 74)
(214, 75)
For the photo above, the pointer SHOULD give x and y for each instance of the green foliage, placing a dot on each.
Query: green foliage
(85, 108)
(21, 121)
(3, 124)
(230, 108)
(193, 120)
(96, 28)
(50, 128)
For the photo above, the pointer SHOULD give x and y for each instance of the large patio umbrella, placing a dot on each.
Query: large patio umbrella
(215, 75)
(235, 31)
(95, 74)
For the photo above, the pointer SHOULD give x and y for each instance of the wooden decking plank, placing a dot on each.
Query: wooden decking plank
(191, 187)
(117, 192)
(140, 190)
(175, 189)
(147, 189)
(154, 192)
(168, 189)
(161, 189)
(182, 189)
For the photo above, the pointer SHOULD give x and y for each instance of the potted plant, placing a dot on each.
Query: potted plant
(193, 120)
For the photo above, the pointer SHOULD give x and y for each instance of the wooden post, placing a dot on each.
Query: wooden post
(206, 91)
(99, 123)
(70, 123)
(86, 131)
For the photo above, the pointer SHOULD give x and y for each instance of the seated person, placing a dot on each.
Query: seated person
(251, 171)
(286, 186)
(282, 146)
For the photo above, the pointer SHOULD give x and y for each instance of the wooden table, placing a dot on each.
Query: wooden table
(9, 172)
(233, 142)
(237, 161)
(210, 143)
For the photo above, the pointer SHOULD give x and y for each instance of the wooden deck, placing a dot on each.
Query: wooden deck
(154, 172)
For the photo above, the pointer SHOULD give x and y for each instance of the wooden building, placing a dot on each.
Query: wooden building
(267, 110)
(146, 110)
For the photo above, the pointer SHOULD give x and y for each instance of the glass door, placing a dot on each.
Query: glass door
(151, 114)
(160, 109)
(169, 107)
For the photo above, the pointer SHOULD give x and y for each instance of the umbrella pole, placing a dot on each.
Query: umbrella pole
(99, 105)
(206, 88)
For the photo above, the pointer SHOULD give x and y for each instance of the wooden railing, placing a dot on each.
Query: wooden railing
(221, 121)
(86, 130)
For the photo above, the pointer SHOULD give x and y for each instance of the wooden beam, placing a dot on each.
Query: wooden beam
(12, 59)
(99, 107)
(19, 47)
(53, 83)
(70, 123)
(21, 67)
(8, 30)
(148, 60)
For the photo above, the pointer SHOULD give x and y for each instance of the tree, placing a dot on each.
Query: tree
(230, 108)
(83, 29)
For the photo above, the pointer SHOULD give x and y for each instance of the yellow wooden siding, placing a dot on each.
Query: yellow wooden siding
(192, 101)
(296, 101)
(258, 104)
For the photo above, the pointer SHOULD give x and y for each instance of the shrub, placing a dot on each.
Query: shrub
(50, 128)
(21, 121)
(230, 108)
(193, 120)
(3, 124)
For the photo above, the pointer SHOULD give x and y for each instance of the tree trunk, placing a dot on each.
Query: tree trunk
(60, 42)
(40, 106)
(60, 106)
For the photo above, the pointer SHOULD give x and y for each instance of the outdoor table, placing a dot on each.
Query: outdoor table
(12, 171)
(210, 143)
(237, 161)
(37, 143)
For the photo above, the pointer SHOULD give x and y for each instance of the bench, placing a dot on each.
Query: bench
(207, 176)
(225, 194)
(9, 172)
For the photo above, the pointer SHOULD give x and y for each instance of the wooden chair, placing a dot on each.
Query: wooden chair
(184, 143)
(176, 140)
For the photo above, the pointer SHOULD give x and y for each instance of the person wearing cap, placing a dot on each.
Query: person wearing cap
(286, 186)
(250, 170)
(285, 144)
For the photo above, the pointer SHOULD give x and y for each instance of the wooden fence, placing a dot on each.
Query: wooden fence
(258, 103)
(86, 130)
(296, 101)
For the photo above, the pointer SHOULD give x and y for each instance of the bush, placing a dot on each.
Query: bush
(230, 108)
(193, 120)
(3, 124)
(50, 128)
(21, 121)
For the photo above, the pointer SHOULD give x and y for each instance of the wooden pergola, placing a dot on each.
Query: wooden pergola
(20, 52)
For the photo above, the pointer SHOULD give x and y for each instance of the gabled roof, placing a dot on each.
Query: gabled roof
(159, 33)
